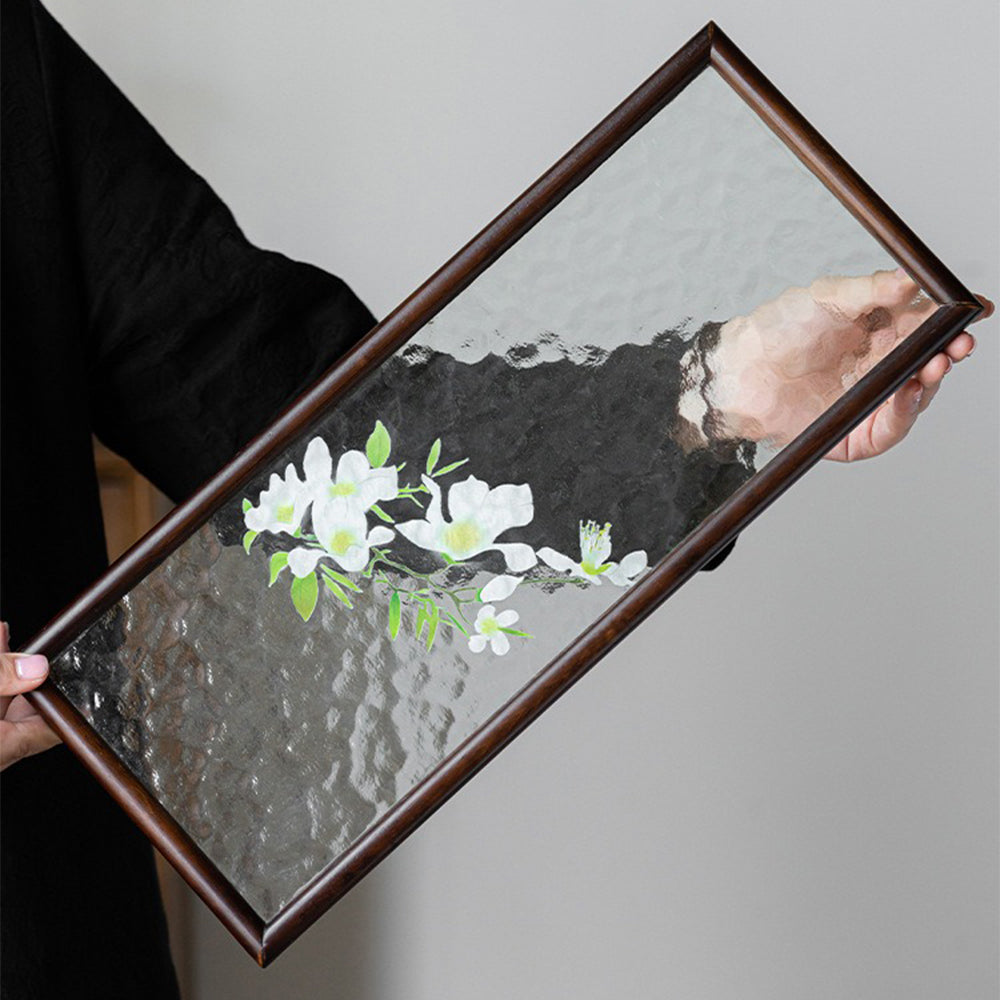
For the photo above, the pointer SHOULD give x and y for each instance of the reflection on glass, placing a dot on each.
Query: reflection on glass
(406, 567)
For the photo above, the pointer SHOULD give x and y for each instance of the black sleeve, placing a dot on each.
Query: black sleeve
(196, 338)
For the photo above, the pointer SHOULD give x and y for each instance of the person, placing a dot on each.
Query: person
(135, 309)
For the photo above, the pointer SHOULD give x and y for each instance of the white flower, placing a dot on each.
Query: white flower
(499, 589)
(342, 529)
(478, 515)
(489, 629)
(282, 505)
(595, 547)
(356, 480)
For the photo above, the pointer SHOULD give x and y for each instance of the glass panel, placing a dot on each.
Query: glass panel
(487, 493)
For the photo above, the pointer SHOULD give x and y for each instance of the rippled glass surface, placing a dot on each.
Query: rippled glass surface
(377, 593)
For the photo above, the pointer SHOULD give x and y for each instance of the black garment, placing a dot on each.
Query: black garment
(133, 308)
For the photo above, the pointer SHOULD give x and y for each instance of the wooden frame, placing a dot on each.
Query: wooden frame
(708, 48)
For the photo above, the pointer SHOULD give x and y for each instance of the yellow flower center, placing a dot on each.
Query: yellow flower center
(340, 541)
(343, 489)
(489, 626)
(461, 538)
(285, 513)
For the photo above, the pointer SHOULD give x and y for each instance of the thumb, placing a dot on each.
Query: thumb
(21, 672)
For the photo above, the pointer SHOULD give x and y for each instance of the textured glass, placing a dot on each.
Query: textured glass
(484, 496)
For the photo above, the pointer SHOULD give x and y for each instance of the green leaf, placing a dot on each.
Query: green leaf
(378, 446)
(305, 592)
(422, 617)
(435, 454)
(338, 592)
(395, 614)
(451, 620)
(248, 540)
(432, 627)
(449, 468)
(344, 581)
(401, 466)
(246, 505)
(379, 513)
(278, 562)
(514, 631)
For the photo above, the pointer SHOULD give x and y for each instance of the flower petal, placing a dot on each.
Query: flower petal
(352, 467)
(634, 563)
(518, 555)
(477, 643)
(318, 464)
(302, 562)
(466, 498)
(256, 519)
(387, 481)
(421, 533)
(507, 618)
(499, 588)
(379, 535)
(433, 515)
(500, 643)
(558, 561)
(354, 559)
(379, 484)
(508, 506)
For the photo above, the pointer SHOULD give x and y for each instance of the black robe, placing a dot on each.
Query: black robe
(133, 309)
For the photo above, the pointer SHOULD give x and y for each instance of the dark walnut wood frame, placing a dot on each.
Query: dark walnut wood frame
(708, 48)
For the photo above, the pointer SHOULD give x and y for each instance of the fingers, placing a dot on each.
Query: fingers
(893, 420)
(988, 308)
(857, 295)
(21, 739)
(960, 347)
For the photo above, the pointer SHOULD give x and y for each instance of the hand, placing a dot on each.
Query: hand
(22, 730)
(788, 361)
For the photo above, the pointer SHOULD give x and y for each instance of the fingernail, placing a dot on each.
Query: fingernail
(31, 667)
(971, 349)
(951, 364)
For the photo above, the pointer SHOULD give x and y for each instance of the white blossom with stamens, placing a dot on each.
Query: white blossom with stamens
(595, 548)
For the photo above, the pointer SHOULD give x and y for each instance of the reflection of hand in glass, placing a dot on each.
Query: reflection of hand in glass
(777, 369)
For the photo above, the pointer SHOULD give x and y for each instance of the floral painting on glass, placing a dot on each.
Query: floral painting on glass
(326, 518)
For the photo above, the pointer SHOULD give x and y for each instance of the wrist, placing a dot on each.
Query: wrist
(733, 362)
(710, 375)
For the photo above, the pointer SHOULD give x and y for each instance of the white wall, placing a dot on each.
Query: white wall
(784, 785)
